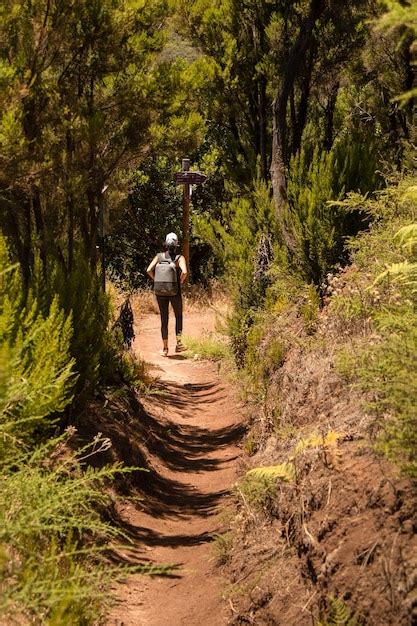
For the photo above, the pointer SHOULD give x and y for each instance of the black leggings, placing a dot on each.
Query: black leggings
(163, 303)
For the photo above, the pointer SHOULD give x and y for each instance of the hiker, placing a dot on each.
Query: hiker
(168, 270)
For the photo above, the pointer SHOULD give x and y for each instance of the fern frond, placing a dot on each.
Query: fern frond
(407, 236)
(404, 273)
(315, 440)
(284, 471)
(339, 614)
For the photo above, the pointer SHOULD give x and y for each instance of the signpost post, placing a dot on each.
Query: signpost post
(187, 178)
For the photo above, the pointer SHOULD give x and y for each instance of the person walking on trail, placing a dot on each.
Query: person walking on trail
(168, 270)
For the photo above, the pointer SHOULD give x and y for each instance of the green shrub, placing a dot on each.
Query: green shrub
(223, 544)
(50, 530)
(259, 485)
(265, 350)
(36, 370)
(386, 281)
(243, 238)
(317, 226)
(387, 369)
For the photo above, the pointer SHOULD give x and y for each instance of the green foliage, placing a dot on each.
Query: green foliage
(210, 347)
(285, 472)
(260, 484)
(92, 345)
(50, 528)
(384, 366)
(310, 308)
(47, 505)
(36, 369)
(243, 240)
(139, 231)
(386, 369)
(405, 272)
(325, 441)
(289, 304)
(339, 615)
(318, 226)
(223, 544)
(399, 16)
(265, 351)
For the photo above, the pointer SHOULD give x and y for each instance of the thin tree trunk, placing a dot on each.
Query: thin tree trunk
(71, 225)
(278, 178)
(303, 103)
(329, 117)
(27, 242)
(294, 124)
(70, 201)
(40, 225)
(93, 224)
(263, 143)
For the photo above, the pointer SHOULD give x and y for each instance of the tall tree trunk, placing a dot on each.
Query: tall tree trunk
(71, 225)
(278, 179)
(291, 70)
(260, 48)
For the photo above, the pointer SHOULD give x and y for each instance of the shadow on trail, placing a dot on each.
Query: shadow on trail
(149, 537)
(185, 447)
(156, 437)
(186, 398)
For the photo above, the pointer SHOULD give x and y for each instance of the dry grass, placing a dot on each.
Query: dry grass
(196, 299)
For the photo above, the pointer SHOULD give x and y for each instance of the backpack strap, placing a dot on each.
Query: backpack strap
(162, 258)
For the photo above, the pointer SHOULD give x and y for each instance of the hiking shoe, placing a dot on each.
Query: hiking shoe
(180, 347)
(163, 352)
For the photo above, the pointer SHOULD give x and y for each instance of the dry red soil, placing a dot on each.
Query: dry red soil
(193, 428)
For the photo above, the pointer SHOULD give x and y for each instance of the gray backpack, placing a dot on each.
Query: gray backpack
(166, 276)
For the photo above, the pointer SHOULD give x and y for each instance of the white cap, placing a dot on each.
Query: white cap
(171, 239)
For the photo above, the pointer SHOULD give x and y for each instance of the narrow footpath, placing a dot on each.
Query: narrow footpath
(194, 450)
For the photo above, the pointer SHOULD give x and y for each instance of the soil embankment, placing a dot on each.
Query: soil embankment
(192, 429)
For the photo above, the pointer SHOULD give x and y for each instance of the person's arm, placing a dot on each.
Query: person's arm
(183, 268)
(151, 268)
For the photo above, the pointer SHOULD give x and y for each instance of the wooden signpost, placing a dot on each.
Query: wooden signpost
(187, 178)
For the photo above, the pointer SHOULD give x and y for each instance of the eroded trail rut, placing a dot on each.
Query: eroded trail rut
(194, 436)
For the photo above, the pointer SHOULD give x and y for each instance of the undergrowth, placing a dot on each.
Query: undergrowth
(383, 292)
(52, 536)
(210, 347)
(259, 484)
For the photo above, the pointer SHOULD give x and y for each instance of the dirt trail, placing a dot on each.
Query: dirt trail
(196, 430)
